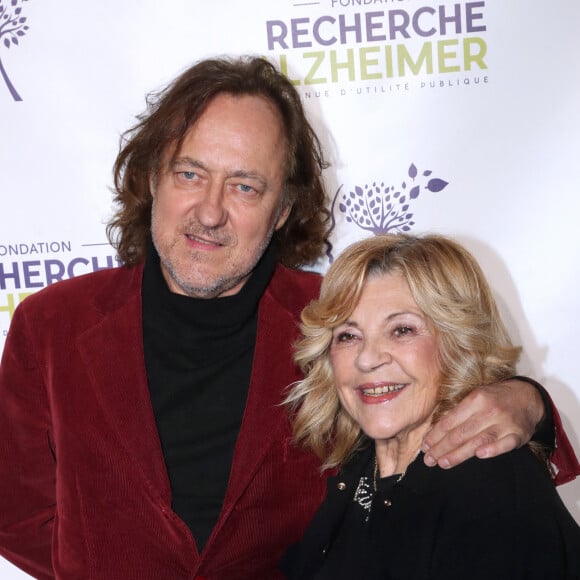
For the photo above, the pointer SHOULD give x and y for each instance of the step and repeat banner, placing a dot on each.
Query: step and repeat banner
(456, 117)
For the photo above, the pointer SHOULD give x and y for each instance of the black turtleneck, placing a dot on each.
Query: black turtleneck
(198, 355)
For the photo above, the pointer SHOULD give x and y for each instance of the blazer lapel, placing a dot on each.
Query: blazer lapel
(112, 350)
(264, 418)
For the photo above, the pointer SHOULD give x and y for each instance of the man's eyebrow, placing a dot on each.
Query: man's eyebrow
(240, 173)
(188, 162)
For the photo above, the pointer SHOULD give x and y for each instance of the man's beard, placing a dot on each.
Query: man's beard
(222, 283)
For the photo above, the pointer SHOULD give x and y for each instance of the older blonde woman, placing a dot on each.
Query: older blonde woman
(404, 328)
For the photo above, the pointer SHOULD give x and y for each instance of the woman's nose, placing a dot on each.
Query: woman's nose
(373, 354)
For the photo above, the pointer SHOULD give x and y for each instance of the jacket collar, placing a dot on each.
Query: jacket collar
(416, 477)
(112, 351)
(265, 420)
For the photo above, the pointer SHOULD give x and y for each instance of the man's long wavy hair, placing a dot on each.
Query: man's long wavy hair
(162, 128)
(474, 347)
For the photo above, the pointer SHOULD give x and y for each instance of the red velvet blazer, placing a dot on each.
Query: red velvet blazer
(84, 492)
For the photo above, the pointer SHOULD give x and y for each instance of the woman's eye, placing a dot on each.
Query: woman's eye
(403, 331)
(345, 337)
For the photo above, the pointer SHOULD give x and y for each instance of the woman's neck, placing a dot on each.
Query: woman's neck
(394, 455)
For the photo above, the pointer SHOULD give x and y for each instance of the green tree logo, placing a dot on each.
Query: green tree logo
(12, 27)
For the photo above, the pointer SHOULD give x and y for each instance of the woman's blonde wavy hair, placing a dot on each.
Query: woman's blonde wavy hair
(450, 289)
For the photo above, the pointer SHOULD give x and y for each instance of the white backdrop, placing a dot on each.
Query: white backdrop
(467, 110)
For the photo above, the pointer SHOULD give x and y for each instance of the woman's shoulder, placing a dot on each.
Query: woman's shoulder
(500, 517)
(506, 469)
(514, 482)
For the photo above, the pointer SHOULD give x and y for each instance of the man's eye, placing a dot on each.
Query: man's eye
(189, 174)
(245, 188)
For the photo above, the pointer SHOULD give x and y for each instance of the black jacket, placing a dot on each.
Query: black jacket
(498, 519)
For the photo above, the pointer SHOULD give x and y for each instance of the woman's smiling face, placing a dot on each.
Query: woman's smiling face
(385, 361)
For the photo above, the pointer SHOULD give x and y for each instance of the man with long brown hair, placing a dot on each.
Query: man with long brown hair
(141, 431)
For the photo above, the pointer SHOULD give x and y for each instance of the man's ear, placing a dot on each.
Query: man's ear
(283, 217)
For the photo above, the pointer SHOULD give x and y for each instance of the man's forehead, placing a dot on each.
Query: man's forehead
(179, 151)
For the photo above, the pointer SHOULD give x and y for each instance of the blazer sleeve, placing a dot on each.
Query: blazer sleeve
(563, 463)
(27, 461)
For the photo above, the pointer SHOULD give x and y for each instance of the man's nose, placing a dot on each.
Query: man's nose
(210, 208)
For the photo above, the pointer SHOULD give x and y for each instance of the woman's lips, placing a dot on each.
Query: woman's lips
(375, 393)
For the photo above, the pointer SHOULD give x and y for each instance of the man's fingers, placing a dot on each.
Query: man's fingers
(484, 424)
(500, 446)
(460, 444)
(484, 445)
(453, 423)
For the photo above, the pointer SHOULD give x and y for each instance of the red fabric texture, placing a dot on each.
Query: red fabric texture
(564, 464)
(84, 491)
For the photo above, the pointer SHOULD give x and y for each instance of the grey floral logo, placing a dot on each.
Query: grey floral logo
(12, 27)
(380, 208)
